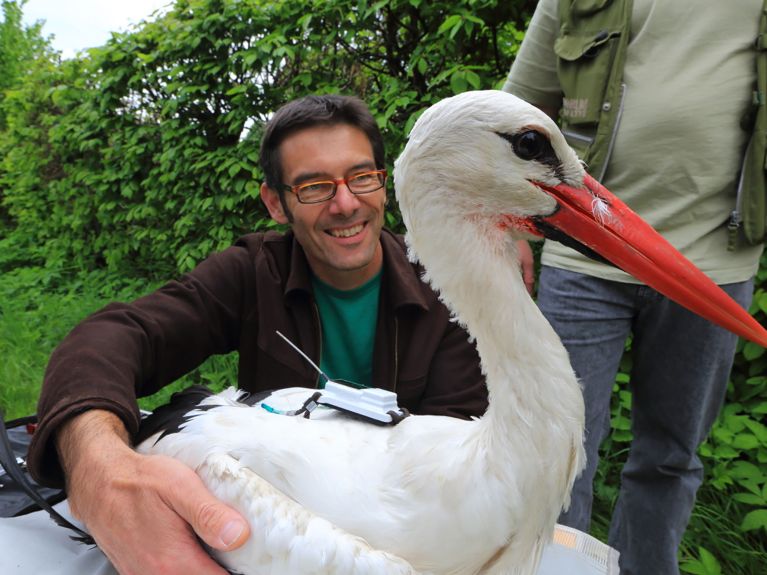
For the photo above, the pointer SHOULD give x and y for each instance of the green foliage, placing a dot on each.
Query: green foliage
(19, 46)
(142, 155)
(706, 564)
(735, 453)
(38, 307)
(715, 527)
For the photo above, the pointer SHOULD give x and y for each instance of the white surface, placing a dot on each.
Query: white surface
(34, 544)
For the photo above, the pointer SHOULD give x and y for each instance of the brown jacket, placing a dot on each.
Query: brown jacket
(235, 301)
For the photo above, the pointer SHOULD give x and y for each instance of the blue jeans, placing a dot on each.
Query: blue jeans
(678, 381)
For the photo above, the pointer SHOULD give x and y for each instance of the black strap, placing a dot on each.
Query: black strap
(309, 405)
(396, 417)
(14, 470)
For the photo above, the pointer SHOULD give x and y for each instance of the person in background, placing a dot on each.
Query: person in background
(652, 94)
(337, 285)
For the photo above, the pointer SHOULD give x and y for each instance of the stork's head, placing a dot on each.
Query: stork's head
(492, 159)
(479, 154)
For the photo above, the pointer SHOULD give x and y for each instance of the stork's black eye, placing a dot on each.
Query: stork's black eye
(529, 145)
(534, 145)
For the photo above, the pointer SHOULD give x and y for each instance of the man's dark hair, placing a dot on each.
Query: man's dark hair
(308, 112)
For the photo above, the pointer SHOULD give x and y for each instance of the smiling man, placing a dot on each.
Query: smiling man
(335, 203)
(337, 285)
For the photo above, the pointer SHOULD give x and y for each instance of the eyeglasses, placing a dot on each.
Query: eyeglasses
(322, 190)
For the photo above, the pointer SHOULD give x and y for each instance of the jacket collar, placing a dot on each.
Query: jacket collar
(402, 278)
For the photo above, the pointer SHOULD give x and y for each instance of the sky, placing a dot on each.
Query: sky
(80, 24)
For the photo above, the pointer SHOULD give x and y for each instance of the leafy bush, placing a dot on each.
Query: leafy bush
(142, 155)
(39, 307)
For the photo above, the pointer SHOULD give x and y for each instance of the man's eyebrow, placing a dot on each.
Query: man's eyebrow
(309, 176)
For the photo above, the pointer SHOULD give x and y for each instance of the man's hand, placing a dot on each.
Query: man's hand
(145, 512)
(526, 264)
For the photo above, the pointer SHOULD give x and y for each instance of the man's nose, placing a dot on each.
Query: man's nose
(344, 202)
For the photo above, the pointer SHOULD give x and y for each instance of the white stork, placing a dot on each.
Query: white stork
(433, 494)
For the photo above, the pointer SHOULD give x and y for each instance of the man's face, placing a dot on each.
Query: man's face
(341, 235)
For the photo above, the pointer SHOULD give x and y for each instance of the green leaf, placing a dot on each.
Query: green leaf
(725, 452)
(749, 499)
(449, 23)
(745, 441)
(755, 520)
(758, 429)
(621, 436)
(709, 562)
(458, 82)
(752, 351)
(621, 422)
(722, 434)
(457, 28)
(236, 90)
(761, 300)
(380, 4)
(747, 471)
(473, 79)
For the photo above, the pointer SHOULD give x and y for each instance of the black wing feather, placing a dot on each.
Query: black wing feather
(171, 417)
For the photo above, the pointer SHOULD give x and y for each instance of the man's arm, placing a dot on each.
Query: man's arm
(125, 350)
(144, 512)
(526, 264)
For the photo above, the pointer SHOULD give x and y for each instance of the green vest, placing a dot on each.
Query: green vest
(591, 53)
(750, 210)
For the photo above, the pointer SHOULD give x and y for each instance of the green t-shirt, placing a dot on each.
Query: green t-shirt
(348, 319)
(689, 75)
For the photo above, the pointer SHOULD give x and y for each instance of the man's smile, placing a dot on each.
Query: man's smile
(346, 232)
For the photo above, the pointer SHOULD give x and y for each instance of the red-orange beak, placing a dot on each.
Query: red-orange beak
(622, 237)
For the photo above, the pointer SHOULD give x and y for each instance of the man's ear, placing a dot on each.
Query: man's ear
(273, 203)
